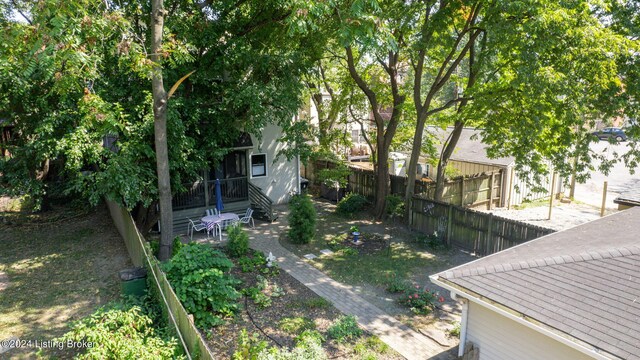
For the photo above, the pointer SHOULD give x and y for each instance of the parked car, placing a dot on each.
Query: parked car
(611, 133)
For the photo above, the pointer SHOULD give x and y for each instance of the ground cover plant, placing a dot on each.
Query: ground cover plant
(122, 330)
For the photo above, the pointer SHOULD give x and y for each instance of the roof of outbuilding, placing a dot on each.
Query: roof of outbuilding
(583, 282)
(469, 148)
(631, 197)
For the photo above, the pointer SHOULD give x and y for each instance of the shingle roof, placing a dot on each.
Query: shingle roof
(631, 197)
(584, 282)
(469, 147)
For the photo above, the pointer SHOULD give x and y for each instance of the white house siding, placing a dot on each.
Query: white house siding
(282, 176)
(500, 338)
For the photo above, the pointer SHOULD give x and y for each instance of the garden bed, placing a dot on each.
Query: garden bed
(295, 309)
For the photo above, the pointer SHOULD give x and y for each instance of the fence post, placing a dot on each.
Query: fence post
(489, 234)
(461, 192)
(491, 190)
(449, 224)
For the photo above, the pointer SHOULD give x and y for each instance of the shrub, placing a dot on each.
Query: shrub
(431, 242)
(121, 332)
(199, 276)
(394, 206)
(306, 335)
(419, 301)
(238, 244)
(396, 284)
(302, 219)
(345, 328)
(351, 204)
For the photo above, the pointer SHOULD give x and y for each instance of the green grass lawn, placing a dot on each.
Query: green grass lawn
(405, 259)
(57, 271)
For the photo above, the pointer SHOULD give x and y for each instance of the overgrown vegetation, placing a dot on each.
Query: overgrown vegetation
(352, 203)
(394, 206)
(199, 275)
(431, 242)
(302, 219)
(238, 244)
(123, 330)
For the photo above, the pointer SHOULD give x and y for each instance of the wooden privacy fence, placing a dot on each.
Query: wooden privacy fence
(478, 191)
(194, 344)
(478, 232)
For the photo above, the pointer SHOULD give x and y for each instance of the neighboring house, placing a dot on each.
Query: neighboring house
(572, 295)
(250, 176)
(470, 158)
(628, 199)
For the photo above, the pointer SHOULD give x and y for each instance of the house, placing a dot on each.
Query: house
(628, 199)
(470, 157)
(573, 294)
(251, 175)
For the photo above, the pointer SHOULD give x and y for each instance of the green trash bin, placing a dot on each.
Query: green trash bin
(133, 281)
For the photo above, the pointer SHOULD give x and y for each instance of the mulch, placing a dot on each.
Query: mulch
(370, 243)
(264, 322)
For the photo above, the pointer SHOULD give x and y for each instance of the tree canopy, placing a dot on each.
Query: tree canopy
(76, 75)
(534, 75)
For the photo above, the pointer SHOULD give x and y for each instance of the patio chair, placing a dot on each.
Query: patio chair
(197, 226)
(211, 212)
(247, 218)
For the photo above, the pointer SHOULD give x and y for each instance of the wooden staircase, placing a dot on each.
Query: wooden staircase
(261, 204)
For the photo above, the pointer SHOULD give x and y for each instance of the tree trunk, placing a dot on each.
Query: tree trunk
(450, 145)
(413, 164)
(146, 217)
(382, 181)
(160, 128)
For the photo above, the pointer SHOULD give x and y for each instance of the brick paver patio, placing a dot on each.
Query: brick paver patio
(407, 342)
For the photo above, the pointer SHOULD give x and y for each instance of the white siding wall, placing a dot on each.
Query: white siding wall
(281, 176)
(500, 338)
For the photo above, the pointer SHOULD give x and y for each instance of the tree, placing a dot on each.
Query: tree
(529, 73)
(160, 131)
(79, 77)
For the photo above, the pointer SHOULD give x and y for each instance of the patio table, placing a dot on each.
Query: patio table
(213, 221)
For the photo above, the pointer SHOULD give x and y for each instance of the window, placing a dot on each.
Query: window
(258, 165)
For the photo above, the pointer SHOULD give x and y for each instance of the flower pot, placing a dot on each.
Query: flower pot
(356, 236)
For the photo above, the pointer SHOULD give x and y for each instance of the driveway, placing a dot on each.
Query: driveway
(619, 179)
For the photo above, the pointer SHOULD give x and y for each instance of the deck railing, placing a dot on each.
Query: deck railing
(234, 189)
(193, 197)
